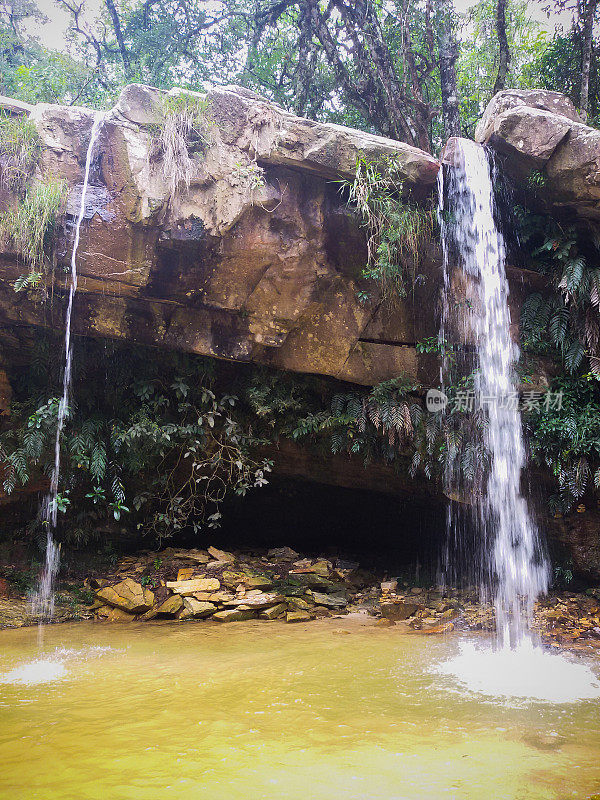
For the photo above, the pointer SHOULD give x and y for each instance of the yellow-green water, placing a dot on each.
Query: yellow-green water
(268, 710)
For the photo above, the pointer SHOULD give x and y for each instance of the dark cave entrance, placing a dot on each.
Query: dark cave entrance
(385, 533)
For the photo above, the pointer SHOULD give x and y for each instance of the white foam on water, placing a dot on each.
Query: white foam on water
(52, 667)
(35, 672)
(526, 672)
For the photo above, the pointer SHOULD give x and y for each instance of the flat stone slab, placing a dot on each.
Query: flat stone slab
(234, 615)
(189, 587)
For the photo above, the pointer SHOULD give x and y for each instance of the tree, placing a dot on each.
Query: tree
(448, 55)
(503, 48)
(581, 40)
(587, 14)
(373, 64)
(479, 60)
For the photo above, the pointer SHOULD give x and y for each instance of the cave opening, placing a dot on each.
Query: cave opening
(388, 534)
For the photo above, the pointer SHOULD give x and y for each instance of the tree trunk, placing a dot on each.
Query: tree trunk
(504, 51)
(112, 10)
(448, 53)
(588, 23)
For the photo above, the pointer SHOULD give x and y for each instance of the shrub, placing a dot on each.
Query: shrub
(397, 231)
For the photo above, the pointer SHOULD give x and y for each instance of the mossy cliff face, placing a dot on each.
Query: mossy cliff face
(257, 259)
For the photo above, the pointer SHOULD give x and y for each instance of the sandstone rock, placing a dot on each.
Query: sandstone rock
(529, 134)
(128, 595)
(538, 99)
(538, 128)
(258, 601)
(313, 581)
(199, 556)
(298, 602)
(399, 610)
(282, 554)
(185, 574)
(170, 606)
(297, 616)
(234, 615)
(574, 170)
(321, 612)
(197, 608)
(189, 587)
(275, 612)
(112, 614)
(232, 579)
(329, 600)
(258, 582)
(14, 107)
(433, 629)
(221, 555)
(319, 568)
(259, 258)
(389, 586)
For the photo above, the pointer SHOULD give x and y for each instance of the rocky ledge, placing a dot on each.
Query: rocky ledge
(217, 586)
(254, 257)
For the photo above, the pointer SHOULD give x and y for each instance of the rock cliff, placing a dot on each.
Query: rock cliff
(257, 259)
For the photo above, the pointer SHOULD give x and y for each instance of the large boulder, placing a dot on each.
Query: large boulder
(128, 595)
(535, 129)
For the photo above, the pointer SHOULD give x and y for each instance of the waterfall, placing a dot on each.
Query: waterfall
(43, 600)
(476, 314)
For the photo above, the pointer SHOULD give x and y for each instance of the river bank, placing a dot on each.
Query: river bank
(214, 585)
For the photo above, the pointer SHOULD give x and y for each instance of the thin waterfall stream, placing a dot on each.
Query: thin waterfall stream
(43, 600)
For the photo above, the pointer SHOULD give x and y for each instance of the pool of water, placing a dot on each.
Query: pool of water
(269, 710)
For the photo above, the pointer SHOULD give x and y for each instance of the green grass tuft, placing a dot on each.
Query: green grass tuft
(31, 226)
(20, 150)
(185, 128)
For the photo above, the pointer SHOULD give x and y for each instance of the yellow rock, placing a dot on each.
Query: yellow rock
(297, 616)
(274, 612)
(185, 574)
(128, 595)
(186, 588)
(220, 555)
(234, 615)
(110, 614)
(197, 608)
(171, 605)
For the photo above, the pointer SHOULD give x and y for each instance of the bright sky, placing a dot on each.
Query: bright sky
(52, 33)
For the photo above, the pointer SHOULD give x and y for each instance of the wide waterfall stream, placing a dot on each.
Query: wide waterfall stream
(513, 569)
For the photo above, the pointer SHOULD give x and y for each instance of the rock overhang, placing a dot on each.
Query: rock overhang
(233, 267)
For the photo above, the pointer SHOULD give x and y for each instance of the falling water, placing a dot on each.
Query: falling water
(43, 601)
(516, 568)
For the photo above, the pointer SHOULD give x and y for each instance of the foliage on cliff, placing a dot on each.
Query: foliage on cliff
(149, 437)
(398, 231)
(561, 322)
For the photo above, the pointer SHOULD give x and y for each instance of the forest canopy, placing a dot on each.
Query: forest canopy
(415, 71)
